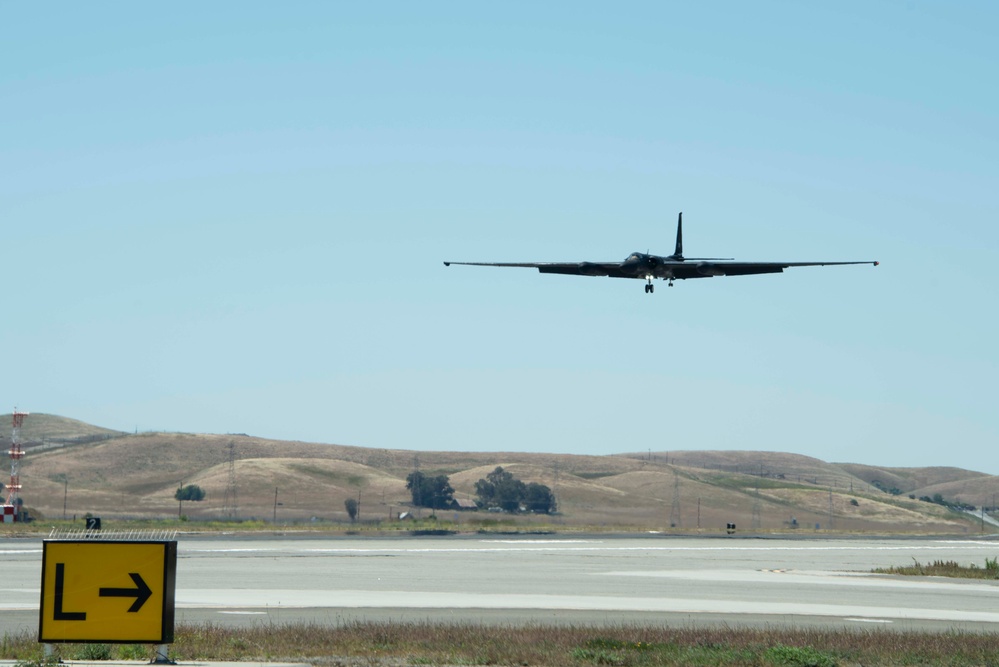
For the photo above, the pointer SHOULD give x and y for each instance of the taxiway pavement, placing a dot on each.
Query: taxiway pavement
(598, 580)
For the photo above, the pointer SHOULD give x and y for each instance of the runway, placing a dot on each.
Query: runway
(237, 580)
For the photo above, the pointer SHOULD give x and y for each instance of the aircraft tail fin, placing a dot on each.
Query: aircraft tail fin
(678, 252)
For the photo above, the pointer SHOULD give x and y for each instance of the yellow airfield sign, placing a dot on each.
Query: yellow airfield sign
(108, 591)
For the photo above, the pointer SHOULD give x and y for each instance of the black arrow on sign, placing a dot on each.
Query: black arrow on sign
(141, 592)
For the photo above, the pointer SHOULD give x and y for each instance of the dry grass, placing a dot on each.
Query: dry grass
(940, 568)
(52, 428)
(377, 644)
(910, 479)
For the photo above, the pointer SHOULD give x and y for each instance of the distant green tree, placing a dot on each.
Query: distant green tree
(190, 492)
(539, 498)
(501, 489)
(434, 491)
(485, 489)
(350, 504)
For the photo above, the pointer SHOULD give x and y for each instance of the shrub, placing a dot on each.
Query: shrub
(93, 652)
(133, 652)
(798, 656)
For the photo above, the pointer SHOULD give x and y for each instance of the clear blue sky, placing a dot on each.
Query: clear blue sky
(231, 217)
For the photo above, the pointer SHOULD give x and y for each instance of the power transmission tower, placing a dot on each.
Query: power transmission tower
(756, 522)
(555, 483)
(230, 509)
(675, 521)
(417, 486)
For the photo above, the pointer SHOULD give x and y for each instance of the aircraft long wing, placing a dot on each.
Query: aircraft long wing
(649, 267)
(612, 269)
(680, 270)
(692, 269)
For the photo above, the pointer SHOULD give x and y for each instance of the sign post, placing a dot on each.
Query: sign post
(119, 592)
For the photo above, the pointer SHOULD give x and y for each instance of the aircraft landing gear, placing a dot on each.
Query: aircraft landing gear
(670, 282)
(650, 288)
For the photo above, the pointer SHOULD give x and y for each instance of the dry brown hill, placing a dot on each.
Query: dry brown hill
(766, 465)
(40, 427)
(136, 475)
(954, 484)
(978, 492)
(910, 480)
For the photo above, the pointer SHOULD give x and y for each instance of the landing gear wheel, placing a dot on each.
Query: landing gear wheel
(650, 288)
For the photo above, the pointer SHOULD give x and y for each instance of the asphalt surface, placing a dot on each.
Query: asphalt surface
(595, 580)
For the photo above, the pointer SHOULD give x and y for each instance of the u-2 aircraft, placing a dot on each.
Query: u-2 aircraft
(644, 266)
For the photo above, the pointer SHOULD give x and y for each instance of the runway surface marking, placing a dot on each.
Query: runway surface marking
(244, 613)
(820, 578)
(562, 549)
(361, 599)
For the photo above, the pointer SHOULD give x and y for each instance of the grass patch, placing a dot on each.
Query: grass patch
(91, 652)
(798, 656)
(948, 568)
(335, 476)
(391, 645)
(748, 483)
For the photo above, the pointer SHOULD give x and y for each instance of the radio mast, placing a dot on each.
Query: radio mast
(12, 505)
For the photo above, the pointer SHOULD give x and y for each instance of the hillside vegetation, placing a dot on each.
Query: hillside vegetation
(119, 475)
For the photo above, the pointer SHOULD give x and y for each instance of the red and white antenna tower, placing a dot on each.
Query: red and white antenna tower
(16, 454)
